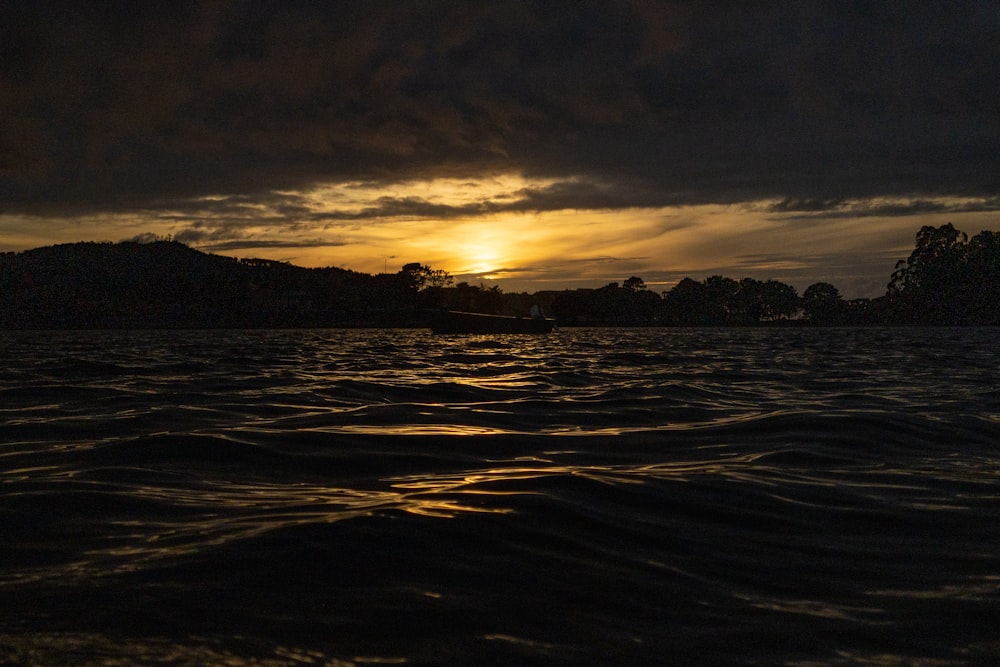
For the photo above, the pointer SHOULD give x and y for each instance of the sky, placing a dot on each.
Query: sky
(533, 145)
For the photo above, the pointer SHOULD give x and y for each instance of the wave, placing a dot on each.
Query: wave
(605, 497)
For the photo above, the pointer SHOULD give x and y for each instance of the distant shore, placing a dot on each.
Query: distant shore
(948, 280)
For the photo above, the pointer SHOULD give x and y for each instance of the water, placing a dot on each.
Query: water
(598, 496)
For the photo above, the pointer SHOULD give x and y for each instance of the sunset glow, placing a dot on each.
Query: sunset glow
(454, 225)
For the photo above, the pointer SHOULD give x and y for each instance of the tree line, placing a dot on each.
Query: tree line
(948, 279)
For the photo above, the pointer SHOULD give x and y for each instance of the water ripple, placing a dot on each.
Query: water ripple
(603, 496)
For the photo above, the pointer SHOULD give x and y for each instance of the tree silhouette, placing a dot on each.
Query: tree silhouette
(935, 259)
(720, 301)
(634, 284)
(720, 294)
(781, 301)
(948, 279)
(981, 293)
(823, 304)
(748, 303)
(416, 276)
(686, 304)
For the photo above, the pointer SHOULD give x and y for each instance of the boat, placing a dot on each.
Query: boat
(457, 322)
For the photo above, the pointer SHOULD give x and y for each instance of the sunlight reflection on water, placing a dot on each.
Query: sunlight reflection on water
(94, 650)
(576, 498)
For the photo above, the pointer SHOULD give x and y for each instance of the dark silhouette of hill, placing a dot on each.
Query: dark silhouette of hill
(166, 284)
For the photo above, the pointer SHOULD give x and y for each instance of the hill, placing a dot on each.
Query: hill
(167, 284)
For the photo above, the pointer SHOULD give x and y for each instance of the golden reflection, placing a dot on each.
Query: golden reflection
(213, 514)
(234, 511)
(420, 429)
(983, 589)
(845, 657)
(56, 648)
(521, 641)
(817, 608)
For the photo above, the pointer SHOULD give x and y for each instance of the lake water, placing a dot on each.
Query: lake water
(596, 496)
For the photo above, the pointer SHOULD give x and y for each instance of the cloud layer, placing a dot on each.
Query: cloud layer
(114, 105)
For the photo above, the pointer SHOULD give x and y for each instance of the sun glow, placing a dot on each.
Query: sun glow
(486, 250)
(452, 224)
(483, 261)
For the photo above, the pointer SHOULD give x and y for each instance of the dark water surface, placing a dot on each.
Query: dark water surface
(701, 496)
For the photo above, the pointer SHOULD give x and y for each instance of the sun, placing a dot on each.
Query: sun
(481, 259)
(481, 250)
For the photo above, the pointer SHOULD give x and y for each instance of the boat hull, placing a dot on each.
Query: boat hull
(454, 322)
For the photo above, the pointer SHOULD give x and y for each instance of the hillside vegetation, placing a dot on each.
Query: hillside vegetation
(948, 279)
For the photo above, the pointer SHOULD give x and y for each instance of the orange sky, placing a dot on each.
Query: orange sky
(854, 247)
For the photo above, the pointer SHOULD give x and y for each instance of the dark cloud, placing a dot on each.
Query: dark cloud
(273, 207)
(788, 204)
(839, 208)
(250, 244)
(558, 196)
(216, 236)
(121, 105)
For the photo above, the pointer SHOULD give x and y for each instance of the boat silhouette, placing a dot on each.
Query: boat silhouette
(458, 322)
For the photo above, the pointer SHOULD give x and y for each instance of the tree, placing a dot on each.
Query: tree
(936, 257)
(720, 297)
(981, 290)
(780, 300)
(748, 305)
(685, 303)
(634, 284)
(928, 287)
(416, 276)
(688, 303)
(823, 304)
(722, 301)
